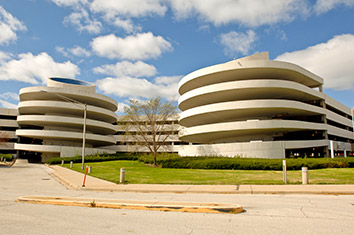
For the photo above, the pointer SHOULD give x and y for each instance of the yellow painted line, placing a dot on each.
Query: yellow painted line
(136, 205)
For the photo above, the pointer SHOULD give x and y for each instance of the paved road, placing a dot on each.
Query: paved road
(265, 214)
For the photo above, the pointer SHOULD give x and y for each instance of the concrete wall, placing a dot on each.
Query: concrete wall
(8, 126)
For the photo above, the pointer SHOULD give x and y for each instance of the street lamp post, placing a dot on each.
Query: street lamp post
(353, 118)
(81, 105)
(84, 138)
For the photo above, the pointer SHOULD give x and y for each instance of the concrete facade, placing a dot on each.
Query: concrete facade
(255, 107)
(51, 123)
(8, 127)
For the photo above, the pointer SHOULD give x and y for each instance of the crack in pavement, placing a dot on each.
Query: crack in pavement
(302, 211)
(312, 203)
(192, 230)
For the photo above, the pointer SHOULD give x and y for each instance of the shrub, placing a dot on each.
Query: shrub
(149, 158)
(8, 157)
(93, 158)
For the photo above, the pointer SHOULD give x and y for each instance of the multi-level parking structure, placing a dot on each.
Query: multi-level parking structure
(51, 119)
(127, 141)
(256, 107)
(8, 126)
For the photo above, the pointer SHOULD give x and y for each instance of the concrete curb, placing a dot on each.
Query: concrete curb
(245, 189)
(136, 205)
(63, 181)
(73, 180)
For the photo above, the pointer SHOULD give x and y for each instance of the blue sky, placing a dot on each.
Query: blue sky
(141, 48)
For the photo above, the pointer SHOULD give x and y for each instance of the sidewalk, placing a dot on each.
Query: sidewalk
(73, 180)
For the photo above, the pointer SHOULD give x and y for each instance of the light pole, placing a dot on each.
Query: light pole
(81, 105)
(353, 119)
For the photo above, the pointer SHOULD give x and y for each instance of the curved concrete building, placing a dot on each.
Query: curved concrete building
(51, 119)
(256, 107)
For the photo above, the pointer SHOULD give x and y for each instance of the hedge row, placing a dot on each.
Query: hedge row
(174, 161)
(255, 164)
(149, 158)
(93, 158)
(146, 158)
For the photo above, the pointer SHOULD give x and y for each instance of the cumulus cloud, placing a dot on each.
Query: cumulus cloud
(8, 27)
(5, 56)
(82, 21)
(323, 6)
(76, 51)
(137, 47)
(129, 8)
(121, 107)
(36, 69)
(236, 43)
(167, 80)
(10, 96)
(79, 51)
(332, 60)
(126, 68)
(116, 13)
(248, 13)
(8, 105)
(126, 24)
(140, 88)
(70, 3)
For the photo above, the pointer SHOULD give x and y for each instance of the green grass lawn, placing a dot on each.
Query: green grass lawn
(138, 173)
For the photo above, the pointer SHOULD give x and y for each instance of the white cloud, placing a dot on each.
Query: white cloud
(332, 60)
(126, 68)
(8, 27)
(129, 8)
(248, 13)
(139, 88)
(138, 47)
(121, 107)
(76, 51)
(82, 22)
(62, 51)
(36, 69)
(10, 96)
(323, 6)
(126, 24)
(70, 3)
(79, 51)
(8, 105)
(275, 30)
(236, 43)
(5, 56)
(167, 80)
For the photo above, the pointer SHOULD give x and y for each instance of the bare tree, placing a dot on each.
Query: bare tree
(4, 137)
(149, 123)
